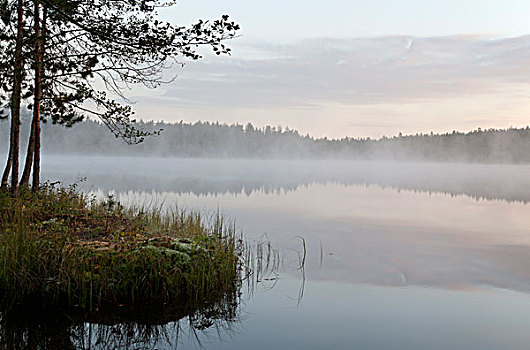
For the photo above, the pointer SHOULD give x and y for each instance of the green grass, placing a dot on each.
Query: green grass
(60, 247)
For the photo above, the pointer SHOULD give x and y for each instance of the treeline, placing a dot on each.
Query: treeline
(205, 139)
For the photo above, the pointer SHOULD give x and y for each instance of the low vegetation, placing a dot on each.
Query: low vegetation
(61, 247)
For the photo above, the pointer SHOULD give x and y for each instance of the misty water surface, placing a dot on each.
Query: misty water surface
(400, 255)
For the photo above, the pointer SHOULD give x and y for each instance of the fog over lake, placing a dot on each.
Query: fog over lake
(235, 175)
(243, 177)
(399, 255)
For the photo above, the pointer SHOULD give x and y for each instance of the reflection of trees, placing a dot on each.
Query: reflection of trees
(478, 185)
(148, 327)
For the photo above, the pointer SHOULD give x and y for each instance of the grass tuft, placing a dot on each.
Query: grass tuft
(60, 247)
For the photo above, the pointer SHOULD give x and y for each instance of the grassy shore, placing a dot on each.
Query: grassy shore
(60, 247)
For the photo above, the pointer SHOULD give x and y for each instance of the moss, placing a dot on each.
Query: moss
(178, 257)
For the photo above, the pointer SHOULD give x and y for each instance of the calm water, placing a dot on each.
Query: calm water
(399, 256)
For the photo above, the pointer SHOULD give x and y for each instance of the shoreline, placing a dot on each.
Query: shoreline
(60, 247)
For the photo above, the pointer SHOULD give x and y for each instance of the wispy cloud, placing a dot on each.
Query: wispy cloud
(358, 71)
(355, 87)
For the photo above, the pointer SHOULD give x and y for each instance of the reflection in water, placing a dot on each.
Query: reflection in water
(119, 328)
(385, 268)
(153, 326)
(245, 177)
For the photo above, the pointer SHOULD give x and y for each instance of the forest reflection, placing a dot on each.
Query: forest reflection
(148, 327)
(244, 177)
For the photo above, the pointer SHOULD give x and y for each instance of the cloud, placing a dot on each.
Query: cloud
(394, 69)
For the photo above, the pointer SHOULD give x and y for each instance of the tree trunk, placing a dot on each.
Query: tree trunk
(16, 98)
(38, 92)
(7, 170)
(24, 181)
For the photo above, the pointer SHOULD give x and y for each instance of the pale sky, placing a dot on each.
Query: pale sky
(357, 68)
(295, 19)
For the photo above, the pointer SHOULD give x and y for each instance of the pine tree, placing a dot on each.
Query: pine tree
(76, 45)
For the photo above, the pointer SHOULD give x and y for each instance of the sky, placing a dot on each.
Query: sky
(356, 68)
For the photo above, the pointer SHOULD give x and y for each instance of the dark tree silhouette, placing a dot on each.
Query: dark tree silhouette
(76, 45)
(16, 93)
(205, 139)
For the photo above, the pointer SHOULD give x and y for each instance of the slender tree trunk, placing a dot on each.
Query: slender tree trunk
(17, 97)
(38, 92)
(24, 181)
(7, 170)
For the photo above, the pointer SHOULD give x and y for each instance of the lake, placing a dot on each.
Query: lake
(399, 255)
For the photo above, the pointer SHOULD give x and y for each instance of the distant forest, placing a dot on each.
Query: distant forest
(205, 139)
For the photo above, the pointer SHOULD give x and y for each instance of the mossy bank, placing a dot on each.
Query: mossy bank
(61, 247)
